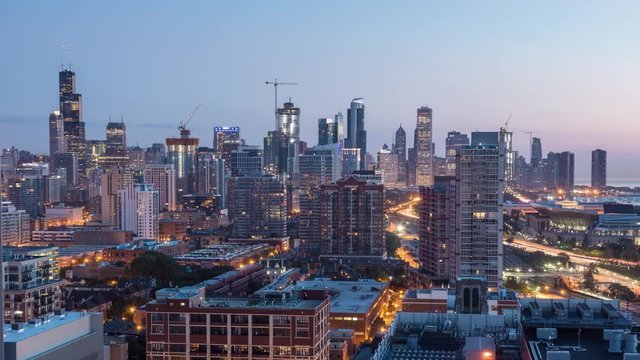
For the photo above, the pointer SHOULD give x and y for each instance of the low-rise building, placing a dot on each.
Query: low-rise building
(73, 335)
(235, 255)
(128, 252)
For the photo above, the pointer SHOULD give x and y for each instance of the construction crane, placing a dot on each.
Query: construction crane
(182, 126)
(506, 123)
(275, 84)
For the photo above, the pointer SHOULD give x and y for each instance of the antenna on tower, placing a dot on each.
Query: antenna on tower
(67, 53)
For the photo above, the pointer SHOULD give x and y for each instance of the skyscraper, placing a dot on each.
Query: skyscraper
(319, 165)
(163, 179)
(247, 160)
(350, 161)
(115, 153)
(226, 139)
(356, 134)
(339, 119)
(182, 154)
(400, 148)
(423, 148)
(57, 143)
(598, 168)
(210, 176)
(389, 165)
(510, 156)
(112, 181)
(327, 131)
(288, 118)
(437, 226)
(352, 219)
(257, 206)
(68, 163)
(139, 211)
(14, 225)
(536, 151)
(560, 172)
(454, 142)
(71, 110)
(479, 200)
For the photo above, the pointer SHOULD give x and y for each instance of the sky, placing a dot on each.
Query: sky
(566, 69)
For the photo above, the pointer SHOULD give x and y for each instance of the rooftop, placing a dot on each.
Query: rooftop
(29, 330)
(223, 252)
(347, 296)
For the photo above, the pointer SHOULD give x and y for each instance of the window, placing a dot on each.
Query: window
(157, 347)
(157, 317)
(260, 350)
(282, 319)
(219, 349)
(157, 329)
(302, 332)
(240, 319)
(181, 317)
(240, 349)
(180, 348)
(302, 351)
(176, 329)
(300, 320)
(198, 318)
(218, 330)
(239, 331)
(260, 319)
(260, 331)
(219, 318)
(198, 349)
(198, 330)
(280, 332)
(281, 350)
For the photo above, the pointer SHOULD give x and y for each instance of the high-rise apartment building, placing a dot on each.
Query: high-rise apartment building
(257, 206)
(210, 176)
(356, 134)
(423, 147)
(455, 140)
(598, 168)
(181, 152)
(350, 161)
(163, 179)
(115, 153)
(352, 219)
(156, 154)
(400, 148)
(71, 110)
(57, 142)
(479, 198)
(28, 193)
(15, 225)
(226, 139)
(319, 165)
(247, 160)
(139, 211)
(339, 120)
(560, 171)
(112, 181)
(66, 163)
(437, 226)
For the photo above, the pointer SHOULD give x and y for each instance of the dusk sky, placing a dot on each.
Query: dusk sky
(569, 69)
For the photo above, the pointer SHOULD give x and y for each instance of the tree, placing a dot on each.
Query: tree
(589, 281)
(564, 258)
(621, 292)
(155, 264)
(393, 243)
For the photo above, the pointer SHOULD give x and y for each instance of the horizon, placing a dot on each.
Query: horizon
(473, 64)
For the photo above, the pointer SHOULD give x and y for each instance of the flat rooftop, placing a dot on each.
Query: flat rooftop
(223, 252)
(51, 323)
(347, 296)
(592, 346)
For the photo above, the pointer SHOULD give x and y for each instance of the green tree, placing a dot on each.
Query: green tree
(621, 292)
(155, 264)
(589, 273)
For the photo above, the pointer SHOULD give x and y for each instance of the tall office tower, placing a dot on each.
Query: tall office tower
(598, 168)
(257, 206)
(319, 165)
(112, 181)
(339, 120)
(565, 170)
(479, 200)
(455, 141)
(350, 161)
(400, 148)
(67, 163)
(210, 176)
(95, 151)
(524, 172)
(278, 152)
(71, 110)
(181, 152)
(136, 159)
(352, 219)
(163, 179)
(139, 211)
(536, 151)
(55, 189)
(327, 131)
(247, 160)
(411, 166)
(423, 147)
(226, 139)
(356, 134)
(15, 225)
(288, 125)
(389, 165)
(9, 160)
(437, 212)
(156, 154)
(28, 194)
(115, 153)
(57, 143)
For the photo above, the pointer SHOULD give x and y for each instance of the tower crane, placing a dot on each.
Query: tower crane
(275, 84)
(182, 126)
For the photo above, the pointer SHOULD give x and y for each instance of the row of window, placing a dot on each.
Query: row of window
(233, 349)
(235, 319)
(302, 332)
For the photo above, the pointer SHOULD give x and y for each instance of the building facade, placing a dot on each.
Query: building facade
(257, 206)
(163, 179)
(139, 211)
(356, 134)
(423, 148)
(181, 152)
(598, 168)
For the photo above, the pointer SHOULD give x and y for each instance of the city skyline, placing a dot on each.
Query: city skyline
(541, 83)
